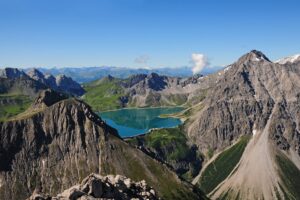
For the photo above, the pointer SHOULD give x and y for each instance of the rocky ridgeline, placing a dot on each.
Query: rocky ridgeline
(13, 79)
(103, 187)
(60, 83)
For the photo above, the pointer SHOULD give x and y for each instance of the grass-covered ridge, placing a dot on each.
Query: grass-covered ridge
(104, 95)
(290, 176)
(12, 105)
(170, 145)
(133, 163)
(222, 166)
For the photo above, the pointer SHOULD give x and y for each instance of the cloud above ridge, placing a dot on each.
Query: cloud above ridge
(199, 62)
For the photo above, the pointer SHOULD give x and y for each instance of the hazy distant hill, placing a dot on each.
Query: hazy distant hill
(88, 74)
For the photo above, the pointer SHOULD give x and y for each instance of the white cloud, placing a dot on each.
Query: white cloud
(199, 61)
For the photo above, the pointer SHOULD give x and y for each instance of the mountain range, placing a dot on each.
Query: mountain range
(240, 137)
(60, 83)
(88, 74)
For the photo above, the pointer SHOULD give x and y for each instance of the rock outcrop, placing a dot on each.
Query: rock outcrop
(103, 187)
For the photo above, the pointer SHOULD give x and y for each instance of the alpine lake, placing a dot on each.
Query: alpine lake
(135, 121)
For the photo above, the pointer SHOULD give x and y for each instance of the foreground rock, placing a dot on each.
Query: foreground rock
(104, 187)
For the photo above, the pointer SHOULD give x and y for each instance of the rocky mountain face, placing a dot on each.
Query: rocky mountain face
(105, 187)
(244, 98)
(56, 145)
(14, 81)
(256, 97)
(60, 83)
(33, 81)
(18, 89)
(11, 73)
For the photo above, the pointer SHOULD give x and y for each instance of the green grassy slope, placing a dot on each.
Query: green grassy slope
(12, 105)
(103, 96)
(222, 166)
(171, 146)
(121, 158)
(290, 176)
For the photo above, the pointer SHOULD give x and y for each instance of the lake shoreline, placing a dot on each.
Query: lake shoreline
(139, 108)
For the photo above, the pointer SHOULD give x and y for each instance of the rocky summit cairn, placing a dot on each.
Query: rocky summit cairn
(103, 187)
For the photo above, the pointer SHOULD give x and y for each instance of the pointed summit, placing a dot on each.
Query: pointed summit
(47, 98)
(254, 56)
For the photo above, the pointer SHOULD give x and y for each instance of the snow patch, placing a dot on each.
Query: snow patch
(290, 59)
(227, 68)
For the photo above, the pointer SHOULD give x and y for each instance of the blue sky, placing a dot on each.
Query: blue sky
(136, 33)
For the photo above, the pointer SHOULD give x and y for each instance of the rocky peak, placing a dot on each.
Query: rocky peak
(156, 82)
(253, 56)
(153, 75)
(134, 79)
(11, 73)
(110, 78)
(61, 78)
(104, 187)
(65, 83)
(35, 74)
(47, 98)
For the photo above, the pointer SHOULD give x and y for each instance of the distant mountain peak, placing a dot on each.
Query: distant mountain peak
(289, 59)
(11, 73)
(109, 77)
(47, 98)
(35, 74)
(254, 56)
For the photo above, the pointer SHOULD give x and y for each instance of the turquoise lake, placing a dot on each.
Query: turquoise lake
(130, 122)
